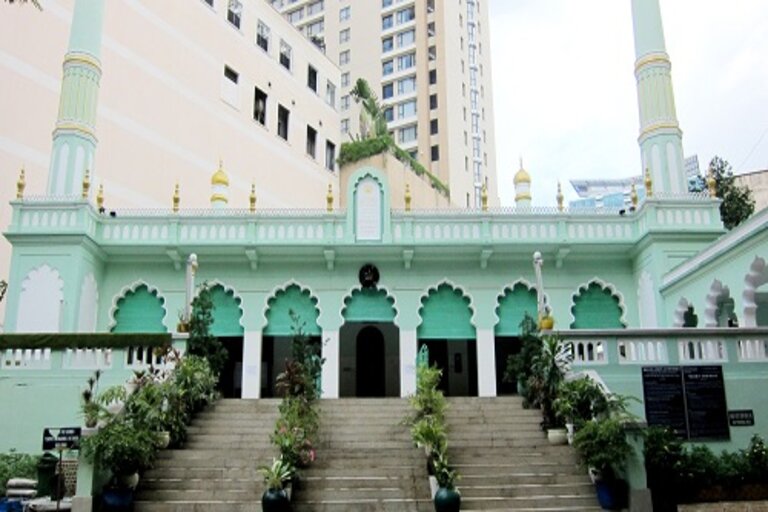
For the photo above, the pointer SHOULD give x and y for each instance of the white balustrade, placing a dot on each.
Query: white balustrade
(753, 350)
(642, 351)
(694, 351)
(26, 359)
(87, 359)
(589, 352)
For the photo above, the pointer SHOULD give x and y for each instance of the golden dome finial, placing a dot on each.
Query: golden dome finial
(711, 183)
(220, 177)
(21, 184)
(522, 175)
(560, 197)
(329, 198)
(484, 197)
(648, 183)
(407, 197)
(633, 195)
(86, 183)
(176, 199)
(252, 197)
(100, 197)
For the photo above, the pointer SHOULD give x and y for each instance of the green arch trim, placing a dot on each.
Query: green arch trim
(446, 314)
(227, 312)
(139, 310)
(352, 183)
(512, 308)
(296, 300)
(596, 307)
(369, 305)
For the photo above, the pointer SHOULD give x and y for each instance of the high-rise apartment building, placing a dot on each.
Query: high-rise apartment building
(429, 63)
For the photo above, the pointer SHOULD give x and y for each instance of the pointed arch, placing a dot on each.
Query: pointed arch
(139, 307)
(40, 301)
(227, 310)
(755, 278)
(597, 304)
(369, 305)
(446, 313)
(298, 299)
(512, 304)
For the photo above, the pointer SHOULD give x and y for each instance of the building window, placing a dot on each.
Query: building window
(262, 36)
(345, 103)
(229, 89)
(345, 126)
(387, 22)
(387, 67)
(330, 155)
(234, 12)
(389, 114)
(259, 106)
(433, 127)
(209, 2)
(406, 15)
(345, 79)
(330, 94)
(432, 53)
(387, 44)
(312, 78)
(313, 29)
(387, 91)
(283, 115)
(311, 141)
(435, 153)
(406, 38)
(345, 13)
(344, 58)
(315, 7)
(407, 134)
(285, 55)
(433, 101)
(432, 76)
(406, 61)
(406, 109)
(344, 35)
(406, 85)
(384, 3)
(431, 29)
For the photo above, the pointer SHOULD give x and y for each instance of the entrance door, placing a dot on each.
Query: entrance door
(231, 378)
(370, 363)
(438, 356)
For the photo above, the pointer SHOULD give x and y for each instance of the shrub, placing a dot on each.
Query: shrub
(602, 445)
(16, 465)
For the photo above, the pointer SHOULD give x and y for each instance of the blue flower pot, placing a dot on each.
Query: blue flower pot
(612, 494)
(275, 500)
(447, 500)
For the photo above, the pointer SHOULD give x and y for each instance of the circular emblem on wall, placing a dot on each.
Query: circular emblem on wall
(369, 275)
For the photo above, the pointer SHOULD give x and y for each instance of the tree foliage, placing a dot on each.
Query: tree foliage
(201, 342)
(737, 202)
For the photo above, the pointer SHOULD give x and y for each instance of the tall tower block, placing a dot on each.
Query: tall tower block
(74, 138)
(661, 140)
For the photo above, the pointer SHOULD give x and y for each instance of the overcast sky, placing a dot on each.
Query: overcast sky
(565, 95)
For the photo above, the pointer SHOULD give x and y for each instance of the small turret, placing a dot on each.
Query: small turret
(219, 188)
(522, 183)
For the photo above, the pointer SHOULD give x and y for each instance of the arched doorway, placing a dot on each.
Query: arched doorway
(291, 311)
(227, 327)
(369, 343)
(514, 304)
(446, 330)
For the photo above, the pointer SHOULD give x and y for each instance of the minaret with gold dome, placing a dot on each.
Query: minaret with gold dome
(522, 183)
(219, 188)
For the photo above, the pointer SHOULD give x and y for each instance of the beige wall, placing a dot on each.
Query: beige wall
(757, 183)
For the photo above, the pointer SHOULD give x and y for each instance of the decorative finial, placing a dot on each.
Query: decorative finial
(176, 199)
(329, 198)
(484, 197)
(252, 197)
(560, 197)
(407, 197)
(86, 183)
(21, 185)
(648, 183)
(711, 183)
(100, 198)
(633, 195)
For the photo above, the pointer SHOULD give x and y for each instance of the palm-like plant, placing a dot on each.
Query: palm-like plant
(371, 109)
(549, 369)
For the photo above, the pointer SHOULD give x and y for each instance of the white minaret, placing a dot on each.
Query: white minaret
(219, 188)
(661, 140)
(522, 183)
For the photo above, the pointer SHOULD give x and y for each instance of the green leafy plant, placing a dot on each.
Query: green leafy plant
(428, 399)
(16, 465)
(201, 342)
(278, 474)
(429, 432)
(603, 446)
(548, 373)
(445, 475)
(122, 446)
(519, 366)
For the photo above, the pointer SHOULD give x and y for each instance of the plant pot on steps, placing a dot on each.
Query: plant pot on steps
(612, 494)
(447, 500)
(275, 500)
(557, 436)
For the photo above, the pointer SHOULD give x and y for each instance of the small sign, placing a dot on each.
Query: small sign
(744, 418)
(61, 438)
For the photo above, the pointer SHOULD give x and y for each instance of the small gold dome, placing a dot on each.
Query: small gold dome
(522, 175)
(220, 177)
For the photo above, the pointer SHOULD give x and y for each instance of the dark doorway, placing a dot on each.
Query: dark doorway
(276, 351)
(231, 378)
(505, 347)
(370, 363)
(458, 360)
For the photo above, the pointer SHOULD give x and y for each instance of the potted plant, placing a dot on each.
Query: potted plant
(603, 448)
(447, 498)
(275, 497)
(549, 368)
(519, 365)
(90, 407)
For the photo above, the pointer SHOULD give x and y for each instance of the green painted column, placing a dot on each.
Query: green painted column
(74, 138)
(661, 140)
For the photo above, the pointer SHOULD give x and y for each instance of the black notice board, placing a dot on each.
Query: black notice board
(689, 399)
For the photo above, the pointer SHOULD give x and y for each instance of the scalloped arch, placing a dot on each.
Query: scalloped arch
(228, 291)
(131, 288)
(357, 291)
(678, 318)
(501, 330)
(310, 308)
(755, 278)
(448, 324)
(717, 292)
(604, 287)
